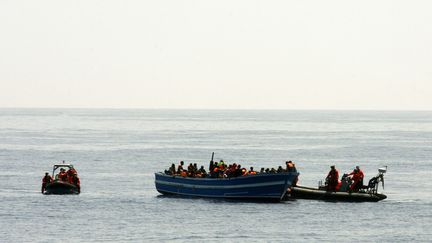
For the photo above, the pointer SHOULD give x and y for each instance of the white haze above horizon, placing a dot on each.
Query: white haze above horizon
(310, 54)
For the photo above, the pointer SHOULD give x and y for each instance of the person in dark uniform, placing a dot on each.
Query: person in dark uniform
(45, 180)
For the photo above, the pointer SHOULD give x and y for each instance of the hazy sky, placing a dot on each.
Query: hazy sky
(303, 54)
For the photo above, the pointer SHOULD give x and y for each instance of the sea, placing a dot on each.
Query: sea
(117, 151)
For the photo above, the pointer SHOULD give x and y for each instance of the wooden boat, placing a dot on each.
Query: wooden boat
(367, 194)
(58, 186)
(265, 186)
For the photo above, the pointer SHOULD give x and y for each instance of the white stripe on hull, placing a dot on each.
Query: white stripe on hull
(272, 183)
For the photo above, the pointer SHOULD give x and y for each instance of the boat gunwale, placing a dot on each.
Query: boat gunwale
(223, 179)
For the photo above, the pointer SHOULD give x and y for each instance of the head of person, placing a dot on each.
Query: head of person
(332, 167)
(357, 167)
(251, 168)
(181, 162)
(46, 173)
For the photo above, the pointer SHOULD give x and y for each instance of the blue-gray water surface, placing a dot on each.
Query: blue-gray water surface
(116, 153)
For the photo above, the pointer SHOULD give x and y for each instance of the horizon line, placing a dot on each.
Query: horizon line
(216, 109)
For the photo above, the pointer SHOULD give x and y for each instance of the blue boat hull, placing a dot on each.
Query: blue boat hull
(261, 186)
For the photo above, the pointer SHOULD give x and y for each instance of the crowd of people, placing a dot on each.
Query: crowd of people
(355, 178)
(70, 176)
(222, 170)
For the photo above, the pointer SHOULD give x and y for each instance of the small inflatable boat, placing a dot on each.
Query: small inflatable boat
(66, 184)
(368, 193)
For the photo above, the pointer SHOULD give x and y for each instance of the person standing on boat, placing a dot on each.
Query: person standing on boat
(76, 182)
(211, 165)
(332, 179)
(357, 177)
(290, 166)
(45, 180)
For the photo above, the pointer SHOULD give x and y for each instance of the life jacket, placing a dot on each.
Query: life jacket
(71, 172)
(244, 171)
(357, 176)
(183, 173)
(62, 176)
(71, 179)
(333, 175)
(252, 172)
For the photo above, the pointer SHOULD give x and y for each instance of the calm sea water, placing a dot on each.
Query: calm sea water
(116, 153)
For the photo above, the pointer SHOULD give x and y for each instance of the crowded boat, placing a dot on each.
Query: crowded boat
(227, 180)
(223, 170)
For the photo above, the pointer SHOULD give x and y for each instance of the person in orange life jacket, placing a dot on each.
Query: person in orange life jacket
(202, 172)
(70, 173)
(45, 180)
(244, 171)
(357, 177)
(251, 171)
(332, 178)
(62, 176)
(216, 172)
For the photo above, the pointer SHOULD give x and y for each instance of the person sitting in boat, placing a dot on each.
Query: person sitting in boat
(190, 170)
(171, 170)
(244, 171)
(62, 175)
(357, 178)
(230, 171)
(332, 179)
(202, 172)
(215, 172)
(280, 169)
(45, 180)
(251, 171)
(70, 173)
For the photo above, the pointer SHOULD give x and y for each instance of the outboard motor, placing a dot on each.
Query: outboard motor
(374, 181)
(345, 183)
